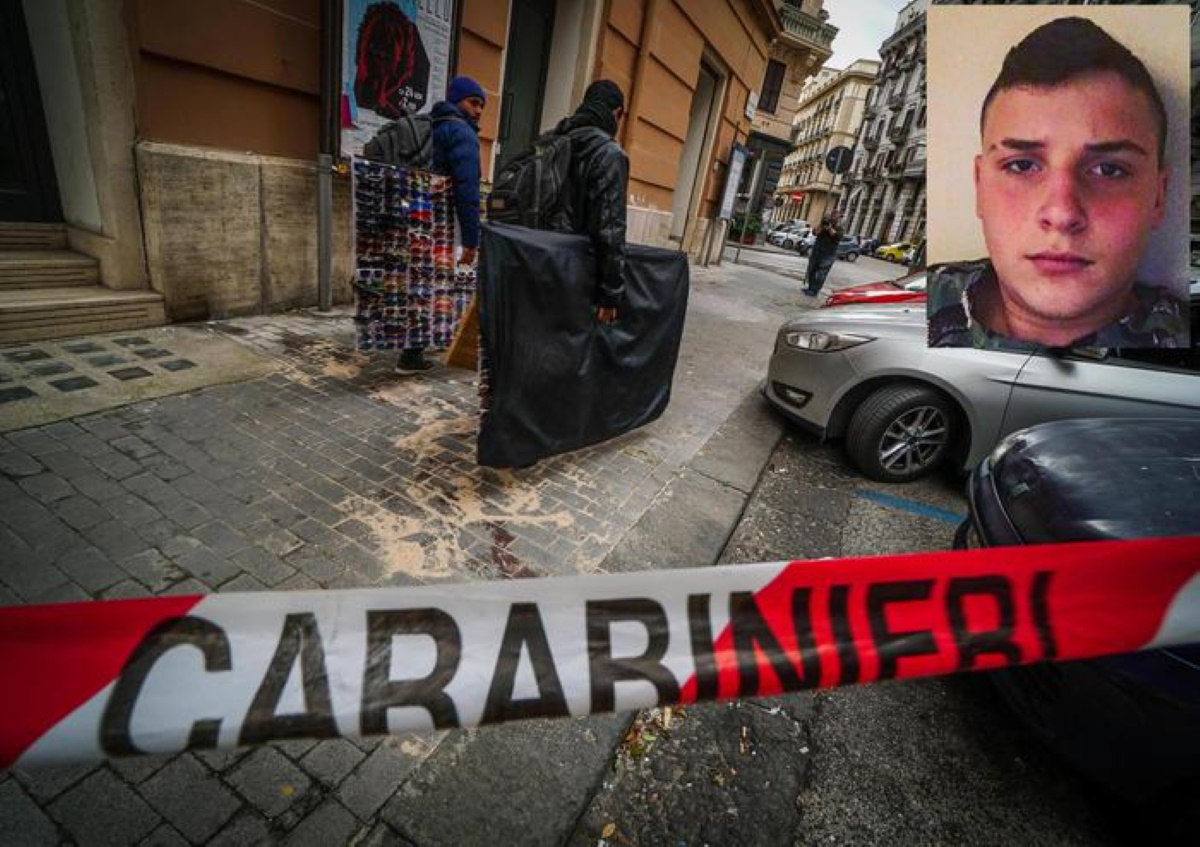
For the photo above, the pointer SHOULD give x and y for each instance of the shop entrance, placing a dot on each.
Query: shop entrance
(28, 189)
(530, 31)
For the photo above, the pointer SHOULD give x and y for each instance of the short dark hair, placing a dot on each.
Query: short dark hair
(1066, 48)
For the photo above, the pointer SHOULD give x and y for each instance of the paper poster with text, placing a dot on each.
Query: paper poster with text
(395, 59)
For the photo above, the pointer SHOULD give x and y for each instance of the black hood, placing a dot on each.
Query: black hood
(601, 99)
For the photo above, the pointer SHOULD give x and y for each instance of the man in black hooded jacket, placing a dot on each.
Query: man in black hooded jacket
(599, 176)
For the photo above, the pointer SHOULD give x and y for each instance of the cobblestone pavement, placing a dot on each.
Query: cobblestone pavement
(331, 472)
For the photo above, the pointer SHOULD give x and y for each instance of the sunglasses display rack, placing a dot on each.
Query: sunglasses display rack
(409, 291)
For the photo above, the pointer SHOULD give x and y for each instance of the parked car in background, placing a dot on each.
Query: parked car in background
(791, 237)
(790, 224)
(894, 252)
(906, 289)
(1130, 723)
(866, 375)
(848, 247)
(773, 235)
(789, 241)
(787, 235)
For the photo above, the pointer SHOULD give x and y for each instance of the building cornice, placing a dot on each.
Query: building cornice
(899, 36)
(768, 15)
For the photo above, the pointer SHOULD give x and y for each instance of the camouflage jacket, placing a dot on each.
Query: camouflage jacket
(1160, 318)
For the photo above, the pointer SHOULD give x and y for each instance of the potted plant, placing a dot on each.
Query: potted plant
(745, 230)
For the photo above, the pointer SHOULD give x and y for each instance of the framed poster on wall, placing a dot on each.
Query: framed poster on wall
(396, 57)
(737, 162)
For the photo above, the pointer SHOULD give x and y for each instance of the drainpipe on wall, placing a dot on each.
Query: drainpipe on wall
(330, 89)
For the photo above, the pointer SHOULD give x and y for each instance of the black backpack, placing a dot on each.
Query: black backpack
(406, 142)
(533, 189)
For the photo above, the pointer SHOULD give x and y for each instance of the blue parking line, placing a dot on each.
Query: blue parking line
(912, 506)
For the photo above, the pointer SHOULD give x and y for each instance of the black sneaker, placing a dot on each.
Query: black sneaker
(413, 362)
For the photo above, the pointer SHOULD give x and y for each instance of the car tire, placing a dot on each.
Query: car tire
(900, 433)
(852, 257)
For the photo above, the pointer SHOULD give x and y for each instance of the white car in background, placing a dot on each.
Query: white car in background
(793, 238)
(790, 235)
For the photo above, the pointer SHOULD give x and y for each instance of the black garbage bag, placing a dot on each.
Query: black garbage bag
(556, 379)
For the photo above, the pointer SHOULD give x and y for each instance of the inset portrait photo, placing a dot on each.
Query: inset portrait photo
(1058, 176)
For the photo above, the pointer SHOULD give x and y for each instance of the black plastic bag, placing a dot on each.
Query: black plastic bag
(557, 379)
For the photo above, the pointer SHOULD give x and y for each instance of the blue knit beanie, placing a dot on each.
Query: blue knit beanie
(462, 87)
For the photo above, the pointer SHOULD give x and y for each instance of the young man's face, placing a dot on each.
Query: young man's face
(1068, 188)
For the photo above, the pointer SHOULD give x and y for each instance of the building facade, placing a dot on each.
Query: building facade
(690, 71)
(168, 148)
(828, 120)
(803, 47)
(788, 198)
(885, 190)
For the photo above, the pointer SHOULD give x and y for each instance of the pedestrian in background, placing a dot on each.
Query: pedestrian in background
(455, 151)
(823, 254)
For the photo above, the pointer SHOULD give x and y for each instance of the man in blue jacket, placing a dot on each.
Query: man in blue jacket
(456, 154)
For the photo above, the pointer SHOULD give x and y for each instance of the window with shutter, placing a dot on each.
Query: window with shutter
(772, 85)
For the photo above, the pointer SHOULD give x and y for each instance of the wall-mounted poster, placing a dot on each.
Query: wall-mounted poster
(395, 58)
(737, 162)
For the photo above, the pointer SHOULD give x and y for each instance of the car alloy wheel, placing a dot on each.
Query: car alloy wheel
(900, 433)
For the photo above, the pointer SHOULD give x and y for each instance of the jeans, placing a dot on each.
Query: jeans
(818, 268)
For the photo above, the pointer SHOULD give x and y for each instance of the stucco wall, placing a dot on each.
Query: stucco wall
(481, 56)
(235, 74)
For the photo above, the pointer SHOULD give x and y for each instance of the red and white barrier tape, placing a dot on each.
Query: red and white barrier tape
(89, 680)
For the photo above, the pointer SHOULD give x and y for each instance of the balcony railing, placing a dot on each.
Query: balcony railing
(896, 134)
(871, 142)
(896, 98)
(804, 27)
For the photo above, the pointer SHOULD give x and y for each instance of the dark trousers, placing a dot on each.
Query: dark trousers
(818, 268)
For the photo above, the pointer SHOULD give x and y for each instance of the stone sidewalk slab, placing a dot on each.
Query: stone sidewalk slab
(46, 381)
(329, 471)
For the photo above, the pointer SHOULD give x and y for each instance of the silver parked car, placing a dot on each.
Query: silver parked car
(791, 236)
(865, 374)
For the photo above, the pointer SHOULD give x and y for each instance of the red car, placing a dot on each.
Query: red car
(906, 289)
